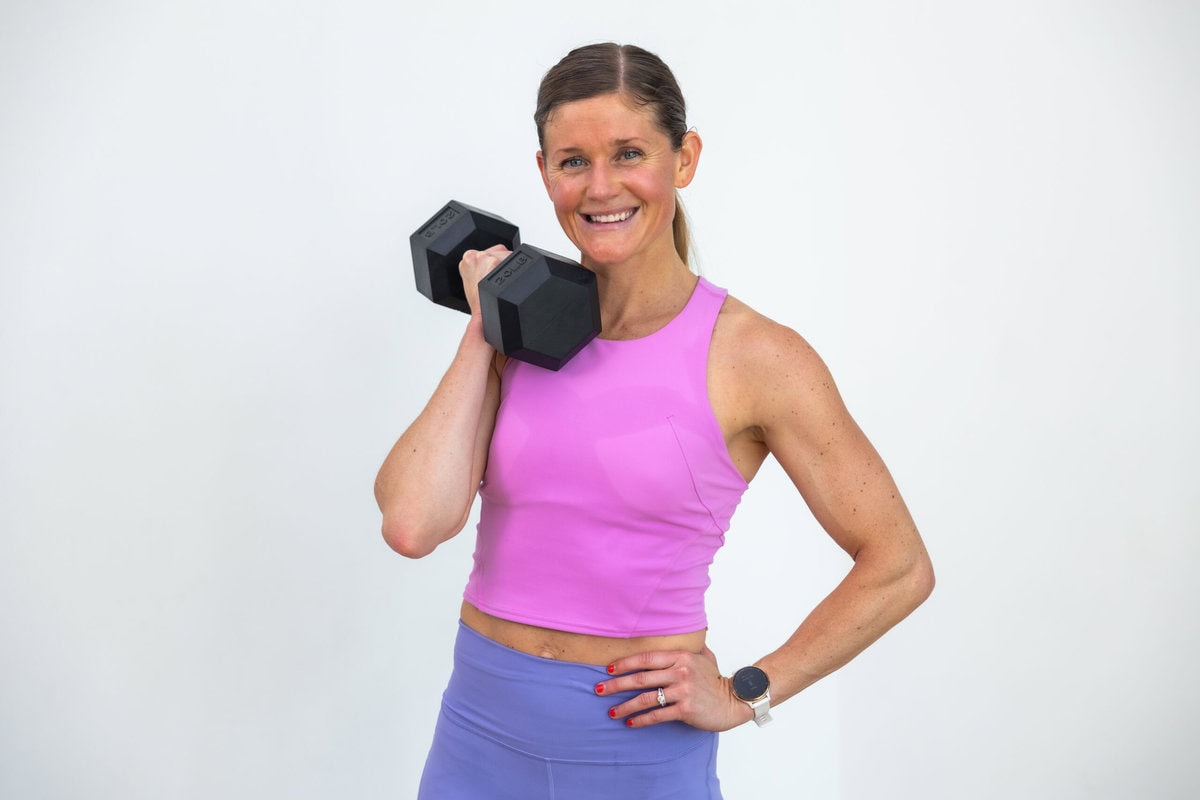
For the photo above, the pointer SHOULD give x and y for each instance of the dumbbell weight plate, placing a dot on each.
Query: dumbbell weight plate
(439, 244)
(539, 307)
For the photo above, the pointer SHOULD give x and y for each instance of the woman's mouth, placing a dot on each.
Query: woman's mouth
(610, 217)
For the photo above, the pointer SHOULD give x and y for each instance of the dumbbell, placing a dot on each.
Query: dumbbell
(537, 307)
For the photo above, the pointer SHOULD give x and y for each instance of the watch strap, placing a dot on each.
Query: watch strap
(761, 708)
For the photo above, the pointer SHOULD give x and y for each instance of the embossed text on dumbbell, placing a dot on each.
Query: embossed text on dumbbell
(434, 228)
(518, 261)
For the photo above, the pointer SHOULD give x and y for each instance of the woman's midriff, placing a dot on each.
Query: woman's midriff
(576, 647)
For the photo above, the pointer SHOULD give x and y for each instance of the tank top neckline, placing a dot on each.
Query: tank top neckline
(672, 322)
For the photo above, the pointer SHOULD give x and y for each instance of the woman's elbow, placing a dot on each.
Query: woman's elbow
(413, 538)
(921, 579)
(405, 540)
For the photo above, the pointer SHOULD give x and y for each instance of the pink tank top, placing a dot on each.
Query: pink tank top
(608, 487)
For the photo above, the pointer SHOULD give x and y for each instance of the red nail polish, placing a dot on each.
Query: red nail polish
(629, 722)
(612, 712)
(599, 688)
(612, 668)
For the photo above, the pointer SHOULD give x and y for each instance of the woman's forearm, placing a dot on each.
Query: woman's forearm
(876, 594)
(428, 481)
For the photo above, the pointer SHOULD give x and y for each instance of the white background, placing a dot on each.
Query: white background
(984, 216)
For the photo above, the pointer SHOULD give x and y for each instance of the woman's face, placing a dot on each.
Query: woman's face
(612, 175)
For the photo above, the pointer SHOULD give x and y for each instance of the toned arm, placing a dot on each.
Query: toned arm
(429, 480)
(791, 408)
(773, 395)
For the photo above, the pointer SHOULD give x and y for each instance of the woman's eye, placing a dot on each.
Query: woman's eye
(629, 155)
(573, 163)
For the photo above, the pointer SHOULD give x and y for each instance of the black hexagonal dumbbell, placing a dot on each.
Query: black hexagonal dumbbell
(537, 307)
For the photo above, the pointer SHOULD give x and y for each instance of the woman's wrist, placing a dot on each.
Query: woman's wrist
(473, 339)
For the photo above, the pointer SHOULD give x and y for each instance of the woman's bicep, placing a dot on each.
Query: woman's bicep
(829, 459)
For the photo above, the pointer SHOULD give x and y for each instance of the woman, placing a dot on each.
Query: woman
(580, 665)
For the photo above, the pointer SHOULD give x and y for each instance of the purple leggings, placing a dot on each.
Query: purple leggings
(517, 726)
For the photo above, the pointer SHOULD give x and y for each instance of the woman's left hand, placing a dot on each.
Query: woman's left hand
(691, 684)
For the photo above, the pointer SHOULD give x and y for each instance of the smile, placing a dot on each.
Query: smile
(617, 216)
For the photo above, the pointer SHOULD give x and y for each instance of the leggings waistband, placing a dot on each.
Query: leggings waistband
(549, 709)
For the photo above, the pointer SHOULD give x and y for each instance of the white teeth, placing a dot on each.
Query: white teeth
(621, 217)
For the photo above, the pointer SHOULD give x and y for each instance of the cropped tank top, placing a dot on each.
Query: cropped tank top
(609, 487)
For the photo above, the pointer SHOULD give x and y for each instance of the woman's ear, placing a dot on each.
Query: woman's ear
(688, 157)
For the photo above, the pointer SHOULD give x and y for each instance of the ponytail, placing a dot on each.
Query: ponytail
(679, 227)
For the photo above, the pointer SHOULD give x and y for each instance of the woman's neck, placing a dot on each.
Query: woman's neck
(638, 299)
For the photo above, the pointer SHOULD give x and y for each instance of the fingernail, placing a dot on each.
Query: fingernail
(612, 712)
(629, 722)
(599, 688)
(612, 668)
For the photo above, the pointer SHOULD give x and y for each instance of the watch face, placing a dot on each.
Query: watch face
(750, 683)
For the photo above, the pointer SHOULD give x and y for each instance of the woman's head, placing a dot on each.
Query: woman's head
(640, 77)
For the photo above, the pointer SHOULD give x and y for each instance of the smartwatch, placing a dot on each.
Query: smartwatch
(750, 685)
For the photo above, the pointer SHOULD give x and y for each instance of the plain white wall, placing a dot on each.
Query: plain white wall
(984, 216)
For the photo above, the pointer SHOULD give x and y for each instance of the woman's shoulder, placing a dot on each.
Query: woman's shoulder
(765, 364)
(750, 338)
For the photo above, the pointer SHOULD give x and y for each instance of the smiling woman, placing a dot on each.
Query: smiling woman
(612, 174)
(637, 76)
(581, 666)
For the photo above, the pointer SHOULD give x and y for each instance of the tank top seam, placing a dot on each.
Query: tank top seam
(692, 474)
(662, 576)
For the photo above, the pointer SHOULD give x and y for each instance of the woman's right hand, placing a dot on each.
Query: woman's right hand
(475, 265)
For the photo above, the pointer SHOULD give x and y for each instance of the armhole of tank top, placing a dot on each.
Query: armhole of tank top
(722, 295)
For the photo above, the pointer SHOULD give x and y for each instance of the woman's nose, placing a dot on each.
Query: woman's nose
(602, 183)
